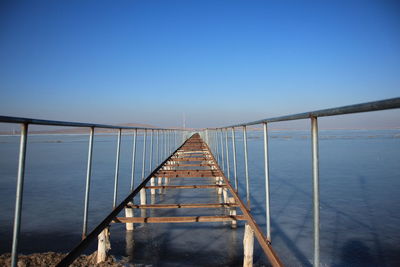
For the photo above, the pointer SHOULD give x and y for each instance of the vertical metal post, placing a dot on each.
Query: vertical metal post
(151, 151)
(222, 151)
(227, 155)
(165, 144)
(216, 144)
(246, 167)
(87, 188)
(144, 154)
(315, 168)
(234, 159)
(158, 148)
(19, 194)
(117, 169)
(133, 159)
(266, 167)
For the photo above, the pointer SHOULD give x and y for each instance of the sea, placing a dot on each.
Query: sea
(359, 200)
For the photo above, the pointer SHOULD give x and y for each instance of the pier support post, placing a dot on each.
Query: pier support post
(103, 245)
(232, 212)
(159, 184)
(129, 214)
(142, 196)
(152, 183)
(220, 188)
(248, 246)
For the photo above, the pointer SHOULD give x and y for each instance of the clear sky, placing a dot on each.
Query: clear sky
(219, 62)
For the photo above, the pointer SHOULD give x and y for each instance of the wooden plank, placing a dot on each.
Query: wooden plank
(187, 219)
(183, 206)
(202, 186)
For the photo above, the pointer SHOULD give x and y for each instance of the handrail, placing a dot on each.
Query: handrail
(391, 103)
(213, 137)
(171, 135)
(8, 119)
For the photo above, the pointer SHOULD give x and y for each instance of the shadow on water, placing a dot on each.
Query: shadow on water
(354, 253)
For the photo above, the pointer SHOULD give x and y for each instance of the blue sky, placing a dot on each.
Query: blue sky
(219, 62)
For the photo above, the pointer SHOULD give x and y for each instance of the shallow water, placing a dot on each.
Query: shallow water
(359, 184)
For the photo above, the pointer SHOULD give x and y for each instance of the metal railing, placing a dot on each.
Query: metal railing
(214, 136)
(169, 141)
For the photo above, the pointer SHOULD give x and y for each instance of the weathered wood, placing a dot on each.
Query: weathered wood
(103, 245)
(248, 246)
(183, 206)
(200, 186)
(187, 219)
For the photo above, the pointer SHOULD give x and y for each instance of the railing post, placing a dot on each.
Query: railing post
(266, 167)
(222, 151)
(87, 187)
(234, 159)
(143, 191)
(151, 152)
(227, 155)
(144, 154)
(246, 167)
(158, 148)
(133, 159)
(315, 168)
(117, 169)
(216, 144)
(19, 194)
(165, 144)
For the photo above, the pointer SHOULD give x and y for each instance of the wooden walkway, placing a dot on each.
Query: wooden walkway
(193, 161)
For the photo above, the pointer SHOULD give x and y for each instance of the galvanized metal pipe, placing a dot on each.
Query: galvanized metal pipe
(117, 168)
(267, 191)
(227, 155)
(315, 168)
(19, 194)
(144, 155)
(246, 167)
(87, 187)
(158, 148)
(216, 144)
(234, 159)
(151, 151)
(133, 160)
(222, 151)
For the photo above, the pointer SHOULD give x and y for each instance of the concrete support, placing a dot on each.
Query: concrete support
(232, 212)
(152, 183)
(248, 246)
(103, 245)
(129, 213)
(142, 196)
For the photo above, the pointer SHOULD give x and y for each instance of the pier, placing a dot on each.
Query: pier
(201, 159)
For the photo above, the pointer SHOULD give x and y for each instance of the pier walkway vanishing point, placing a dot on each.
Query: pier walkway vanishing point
(188, 155)
(192, 161)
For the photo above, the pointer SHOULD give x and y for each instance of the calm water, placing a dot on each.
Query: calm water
(360, 200)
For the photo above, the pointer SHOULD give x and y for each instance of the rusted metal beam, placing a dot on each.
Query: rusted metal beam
(187, 219)
(67, 260)
(264, 243)
(202, 186)
(185, 173)
(183, 206)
